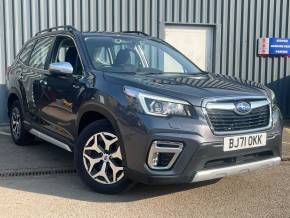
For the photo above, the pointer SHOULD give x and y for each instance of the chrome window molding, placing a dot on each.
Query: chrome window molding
(215, 101)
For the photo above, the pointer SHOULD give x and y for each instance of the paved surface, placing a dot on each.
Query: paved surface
(37, 155)
(286, 144)
(261, 194)
(265, 193)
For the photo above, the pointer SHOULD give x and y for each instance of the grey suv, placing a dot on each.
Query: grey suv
(133, 109)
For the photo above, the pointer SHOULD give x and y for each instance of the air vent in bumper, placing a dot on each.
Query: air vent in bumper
(163, 154)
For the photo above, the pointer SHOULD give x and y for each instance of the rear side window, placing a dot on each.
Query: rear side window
(40, 52)
(26, 51)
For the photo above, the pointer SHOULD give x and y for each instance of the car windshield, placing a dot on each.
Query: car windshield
(126, 54)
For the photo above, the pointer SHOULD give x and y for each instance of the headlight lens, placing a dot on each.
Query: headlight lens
(160, 106)
(272, 97)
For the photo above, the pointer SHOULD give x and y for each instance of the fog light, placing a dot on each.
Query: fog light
(155, 159)
(163, 154)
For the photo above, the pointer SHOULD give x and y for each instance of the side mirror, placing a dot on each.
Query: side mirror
(64, 68)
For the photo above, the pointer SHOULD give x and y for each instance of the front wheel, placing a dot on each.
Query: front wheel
(99, 160)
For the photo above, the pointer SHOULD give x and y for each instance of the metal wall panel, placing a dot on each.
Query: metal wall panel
(238, 24)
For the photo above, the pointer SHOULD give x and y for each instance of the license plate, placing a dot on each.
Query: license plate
(244, 141)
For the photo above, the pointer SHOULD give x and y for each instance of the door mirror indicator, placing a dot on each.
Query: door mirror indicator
(60, 68)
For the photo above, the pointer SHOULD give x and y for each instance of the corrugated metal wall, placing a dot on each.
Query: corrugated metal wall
(238, 24)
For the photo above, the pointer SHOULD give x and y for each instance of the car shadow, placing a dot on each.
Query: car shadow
(71, 187)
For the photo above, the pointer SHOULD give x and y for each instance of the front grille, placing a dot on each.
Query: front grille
(227, 120)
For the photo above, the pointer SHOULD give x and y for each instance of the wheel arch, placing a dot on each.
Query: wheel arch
(105, 114)
(97, 112)
(12, 96)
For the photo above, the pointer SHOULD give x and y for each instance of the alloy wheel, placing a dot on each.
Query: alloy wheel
(103, 159)
(16, 122)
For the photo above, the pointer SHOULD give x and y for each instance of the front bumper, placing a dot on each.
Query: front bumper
(201, 146)
(204, 175)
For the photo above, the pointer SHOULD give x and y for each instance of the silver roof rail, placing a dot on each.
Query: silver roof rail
(65, 27)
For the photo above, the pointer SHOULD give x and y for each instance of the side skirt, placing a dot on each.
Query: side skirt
(50, 139)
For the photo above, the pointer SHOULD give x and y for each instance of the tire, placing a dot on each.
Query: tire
(19, 135)
(100, 165)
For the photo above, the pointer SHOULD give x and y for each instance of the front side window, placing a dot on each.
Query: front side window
(67, 52)
(132, 54)
(40, 52)
(25, 53)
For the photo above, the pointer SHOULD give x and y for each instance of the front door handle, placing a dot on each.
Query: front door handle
(76, 86)
(43, 82)
(20, 76)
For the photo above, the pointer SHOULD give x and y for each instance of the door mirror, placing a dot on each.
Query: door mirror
(60, 68)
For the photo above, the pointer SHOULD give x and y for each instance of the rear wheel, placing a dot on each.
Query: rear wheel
(19, 135)
(99, 159)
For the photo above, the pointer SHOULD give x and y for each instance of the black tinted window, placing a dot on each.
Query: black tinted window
(40, 52)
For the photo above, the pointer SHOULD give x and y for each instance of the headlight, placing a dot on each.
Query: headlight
(272, 97)
(160, 106)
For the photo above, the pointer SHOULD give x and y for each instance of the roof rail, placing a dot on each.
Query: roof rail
(136, 32)
(65, 27)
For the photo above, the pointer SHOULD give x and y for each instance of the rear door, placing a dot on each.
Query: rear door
(37, 69)
(33, 59)
(25, 80)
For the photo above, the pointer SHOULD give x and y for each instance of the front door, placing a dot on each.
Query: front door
(59, 94)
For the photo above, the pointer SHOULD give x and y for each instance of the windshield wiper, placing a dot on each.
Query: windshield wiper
(122, 72)
(149, 73)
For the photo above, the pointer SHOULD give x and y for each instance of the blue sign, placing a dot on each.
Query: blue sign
(279, 46)
(274, 46)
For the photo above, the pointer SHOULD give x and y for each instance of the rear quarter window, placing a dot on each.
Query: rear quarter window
(26, 51)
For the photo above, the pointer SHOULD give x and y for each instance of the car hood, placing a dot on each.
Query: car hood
(190, 87)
